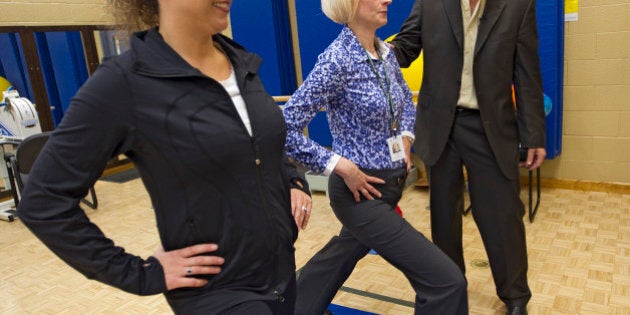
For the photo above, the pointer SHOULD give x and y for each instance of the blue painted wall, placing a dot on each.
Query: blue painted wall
(12, 64)
(550, 15)
(64, 68)
(262, 27)
(62, 61)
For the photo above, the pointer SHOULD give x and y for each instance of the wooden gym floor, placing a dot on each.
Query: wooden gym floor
(579, 257)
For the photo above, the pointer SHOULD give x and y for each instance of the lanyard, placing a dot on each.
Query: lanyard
(393, 121)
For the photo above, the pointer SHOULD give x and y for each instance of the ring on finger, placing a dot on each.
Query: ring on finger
(189, 271)
(304, 208)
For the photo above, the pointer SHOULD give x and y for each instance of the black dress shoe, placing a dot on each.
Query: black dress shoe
(516, 310)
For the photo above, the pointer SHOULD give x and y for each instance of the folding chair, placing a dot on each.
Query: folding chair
(19, 166)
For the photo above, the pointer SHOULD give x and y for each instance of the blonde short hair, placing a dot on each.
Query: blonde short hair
(340, 11)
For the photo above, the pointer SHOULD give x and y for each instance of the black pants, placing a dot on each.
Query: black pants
(237, 303)
(496, 207)
(439, 285)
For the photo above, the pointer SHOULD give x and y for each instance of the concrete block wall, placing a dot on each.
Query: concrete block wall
(53, 12)
(596, 122)
(57, 12)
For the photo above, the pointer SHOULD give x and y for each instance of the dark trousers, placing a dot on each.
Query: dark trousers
(439, 285)
(496, 207)
(238, 303)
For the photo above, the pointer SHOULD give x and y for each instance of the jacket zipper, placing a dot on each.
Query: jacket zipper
(265, 202)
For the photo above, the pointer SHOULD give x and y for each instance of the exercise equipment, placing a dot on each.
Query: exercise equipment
(18, 120)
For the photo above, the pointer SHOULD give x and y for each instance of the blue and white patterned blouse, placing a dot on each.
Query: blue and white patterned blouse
(343, 83)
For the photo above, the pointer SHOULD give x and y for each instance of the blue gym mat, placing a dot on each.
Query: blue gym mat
(342, 310)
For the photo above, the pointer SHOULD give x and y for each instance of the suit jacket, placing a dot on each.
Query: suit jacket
(506, 53)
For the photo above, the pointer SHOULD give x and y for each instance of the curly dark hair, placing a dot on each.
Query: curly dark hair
(134, 15)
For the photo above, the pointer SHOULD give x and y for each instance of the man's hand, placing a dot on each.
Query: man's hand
(535, 158)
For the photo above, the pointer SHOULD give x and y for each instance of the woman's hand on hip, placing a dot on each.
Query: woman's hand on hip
(357, 181)
(301, 205)
(182, 265)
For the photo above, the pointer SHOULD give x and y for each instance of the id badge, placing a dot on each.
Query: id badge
(396, 148)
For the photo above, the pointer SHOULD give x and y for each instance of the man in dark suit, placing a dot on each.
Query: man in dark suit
(474, 52)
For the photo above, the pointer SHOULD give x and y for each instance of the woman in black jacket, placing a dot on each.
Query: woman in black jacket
(186, 105)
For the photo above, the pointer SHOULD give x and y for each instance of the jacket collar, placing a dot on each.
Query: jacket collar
(490, 16)
(453, 10)
(354, 48)
(152, 56)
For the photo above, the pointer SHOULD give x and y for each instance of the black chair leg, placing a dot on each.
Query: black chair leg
(467, 210)
(11, 168)
(533, 210)
(94, 203)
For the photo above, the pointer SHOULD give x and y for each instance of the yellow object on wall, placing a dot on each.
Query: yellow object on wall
(413, 74)
(4, 84)
(571, 10)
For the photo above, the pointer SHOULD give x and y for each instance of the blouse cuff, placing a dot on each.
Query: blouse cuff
(331, 164)
(409, 134)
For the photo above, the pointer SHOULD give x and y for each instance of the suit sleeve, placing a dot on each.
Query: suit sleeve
(94, 129)
(408, 41)
(528, 83)
(409, 110)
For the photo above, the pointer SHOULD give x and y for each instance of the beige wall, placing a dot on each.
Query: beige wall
(56, 12)
(596, 122)
(596, 131)
(52, 12)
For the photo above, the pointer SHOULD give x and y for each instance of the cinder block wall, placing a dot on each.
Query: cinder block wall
(596, 124)
(56, 12)
(52, 12)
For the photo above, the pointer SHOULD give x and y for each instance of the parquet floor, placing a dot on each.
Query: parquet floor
(579, 256)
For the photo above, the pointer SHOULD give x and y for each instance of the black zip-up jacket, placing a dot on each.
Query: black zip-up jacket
(208, 179)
